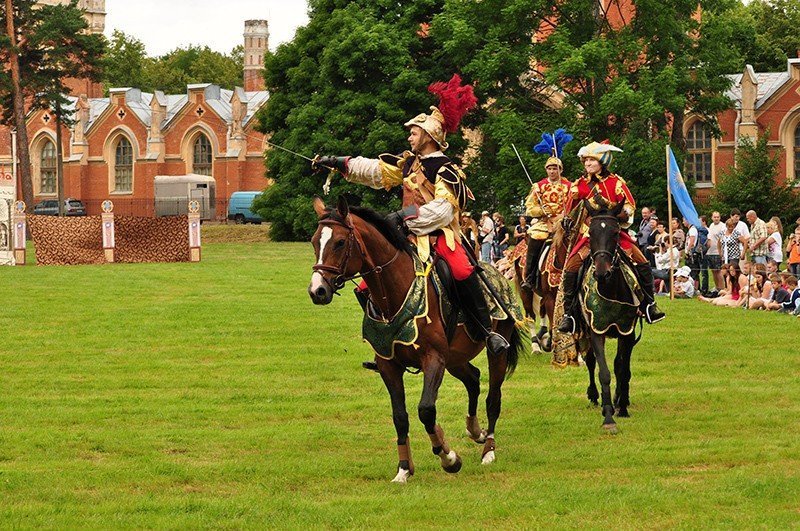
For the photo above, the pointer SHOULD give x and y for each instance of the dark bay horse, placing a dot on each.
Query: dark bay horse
(358, 242)
(609, 308)
(543, 293)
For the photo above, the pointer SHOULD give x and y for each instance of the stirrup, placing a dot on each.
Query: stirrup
(653, 314)
(496, 344)
(370, 366)
(568, 324)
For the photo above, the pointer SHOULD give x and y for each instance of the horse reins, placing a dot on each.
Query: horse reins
(340, 277)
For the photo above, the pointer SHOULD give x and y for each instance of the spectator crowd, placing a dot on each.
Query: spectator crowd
(749, 263)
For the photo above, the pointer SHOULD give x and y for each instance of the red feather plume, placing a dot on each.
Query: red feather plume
(454, 101)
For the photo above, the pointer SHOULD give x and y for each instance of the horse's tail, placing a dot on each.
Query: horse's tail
(520, 345)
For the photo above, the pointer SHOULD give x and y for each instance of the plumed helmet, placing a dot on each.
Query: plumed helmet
(553, 144)
(455, 101)
(600, 151)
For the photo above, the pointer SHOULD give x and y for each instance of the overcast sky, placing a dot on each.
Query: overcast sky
(163, 25)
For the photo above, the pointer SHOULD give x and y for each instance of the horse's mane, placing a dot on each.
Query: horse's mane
(378, 220)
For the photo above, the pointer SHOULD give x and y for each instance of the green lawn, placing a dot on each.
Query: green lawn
(216, 395)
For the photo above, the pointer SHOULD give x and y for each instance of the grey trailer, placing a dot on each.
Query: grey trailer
(173, 193)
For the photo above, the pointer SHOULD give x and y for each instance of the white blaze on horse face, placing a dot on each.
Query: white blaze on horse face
(603, 224)
(324, 238)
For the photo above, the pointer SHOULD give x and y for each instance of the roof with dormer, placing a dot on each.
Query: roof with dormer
(768, 84)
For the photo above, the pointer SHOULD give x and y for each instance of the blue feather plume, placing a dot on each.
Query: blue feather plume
(553, 143)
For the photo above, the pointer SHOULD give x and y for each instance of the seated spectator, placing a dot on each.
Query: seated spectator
(774, 243)
(678, 236)
(684, 285)
(793, 252)
(792, 305)
(779, 293)
(736, 284)
(668, 258)
(761, 290)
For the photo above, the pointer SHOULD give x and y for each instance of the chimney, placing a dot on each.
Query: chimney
(256, 43)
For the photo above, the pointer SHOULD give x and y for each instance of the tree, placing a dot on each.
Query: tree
(52, 46)
(344, 85)
(753, 183)
(127, 65)
(767, 33)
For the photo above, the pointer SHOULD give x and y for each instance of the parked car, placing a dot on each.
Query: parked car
(49, 207)
(239, 208)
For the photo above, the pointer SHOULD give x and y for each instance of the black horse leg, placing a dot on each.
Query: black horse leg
(470, 376)
(598, 347)
(392, 375)
(622, 373)
(591, 392)
(433, 369)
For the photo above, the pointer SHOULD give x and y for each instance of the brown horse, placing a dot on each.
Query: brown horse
(358, 242)
(543, 291)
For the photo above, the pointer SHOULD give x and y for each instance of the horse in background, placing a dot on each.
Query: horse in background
(357, 242)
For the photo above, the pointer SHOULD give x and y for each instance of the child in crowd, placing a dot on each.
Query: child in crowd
(779, 294)
(793, 304)
(684, 285)
(736, 285)
(793, 253)
(761, 290)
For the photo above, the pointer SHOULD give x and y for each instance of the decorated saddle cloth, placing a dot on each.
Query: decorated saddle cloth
(403, 329)
(614, 304)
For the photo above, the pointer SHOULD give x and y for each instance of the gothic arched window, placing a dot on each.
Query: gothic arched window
(123, 166)
(47, 168)
(201, 155)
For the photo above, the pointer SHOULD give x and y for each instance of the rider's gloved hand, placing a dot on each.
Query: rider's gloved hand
(400, 217)
(331, 163)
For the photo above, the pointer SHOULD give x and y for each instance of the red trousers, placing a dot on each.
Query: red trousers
(460, 266)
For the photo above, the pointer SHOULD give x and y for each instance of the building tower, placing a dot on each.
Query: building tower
(256, 43)
(94, 12)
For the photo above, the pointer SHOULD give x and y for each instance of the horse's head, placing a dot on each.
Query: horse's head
(604, 238)
(336, 250)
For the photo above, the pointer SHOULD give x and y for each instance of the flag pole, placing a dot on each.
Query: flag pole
(669, 221)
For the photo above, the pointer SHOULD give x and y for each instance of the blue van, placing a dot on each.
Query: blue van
(239, 208)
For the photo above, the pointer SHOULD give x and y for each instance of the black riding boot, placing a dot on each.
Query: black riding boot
(568, 324)
(532, 263)
(470, 294)
(648, 307)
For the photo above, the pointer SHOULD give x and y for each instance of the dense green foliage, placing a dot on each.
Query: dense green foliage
(54, 48)
(766, 33)
(215, 395)
(128, 65)
(752, 183)
(344, 86)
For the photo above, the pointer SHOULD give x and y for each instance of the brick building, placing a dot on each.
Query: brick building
(763, 102)
(119, 143)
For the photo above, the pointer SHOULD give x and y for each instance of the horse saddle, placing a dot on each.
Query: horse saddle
(612, 305)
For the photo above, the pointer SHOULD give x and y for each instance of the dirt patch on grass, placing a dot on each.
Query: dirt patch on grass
(231, 233)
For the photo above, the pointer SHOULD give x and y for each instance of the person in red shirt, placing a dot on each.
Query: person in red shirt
(602, 189)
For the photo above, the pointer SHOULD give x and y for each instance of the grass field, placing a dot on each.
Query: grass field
(216, 395)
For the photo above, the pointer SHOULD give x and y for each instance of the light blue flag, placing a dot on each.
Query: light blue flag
(679, 192)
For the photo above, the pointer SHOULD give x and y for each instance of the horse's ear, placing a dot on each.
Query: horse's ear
(343, 207)
(618, 209)
(319, 206)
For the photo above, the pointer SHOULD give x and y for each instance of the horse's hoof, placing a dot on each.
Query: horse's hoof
(455, 467)
(623, 413)
(489, 458)
(611, 428)
(480, 439)
(593, 403)
(402, 476)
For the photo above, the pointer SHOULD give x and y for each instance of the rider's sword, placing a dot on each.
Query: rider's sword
(325, 187)
(522, 164)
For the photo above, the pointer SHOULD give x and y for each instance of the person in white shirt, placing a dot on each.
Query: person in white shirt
(486, 230)
(775, 243)
(668, 258)
(744, 232)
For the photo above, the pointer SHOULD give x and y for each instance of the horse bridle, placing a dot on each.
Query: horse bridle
(340, 278)
(613, 256)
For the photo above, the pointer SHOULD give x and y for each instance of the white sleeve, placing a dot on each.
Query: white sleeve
(432, 216)
(361, 170)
